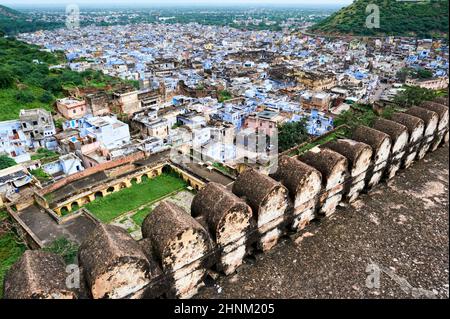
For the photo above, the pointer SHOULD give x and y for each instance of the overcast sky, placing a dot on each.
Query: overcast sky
(106, 3)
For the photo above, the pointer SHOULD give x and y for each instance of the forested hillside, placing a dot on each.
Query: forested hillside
(408, 18)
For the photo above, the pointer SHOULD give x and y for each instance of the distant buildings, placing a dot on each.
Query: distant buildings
(209, 90)
(265, 121)
(65, 165)
(318, 101)
(71, 108)
(108, 131)
(432, 84)
(13, 142)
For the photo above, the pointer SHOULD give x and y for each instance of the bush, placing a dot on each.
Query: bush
(6, 79)
(67, 249)
(52, 84)
(46, 97)
(40, 174)
(6, 162)
(291, 134)
(356, 116)
(414, 95)
(24, 97)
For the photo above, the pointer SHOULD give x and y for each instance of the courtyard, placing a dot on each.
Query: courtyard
(138, 196)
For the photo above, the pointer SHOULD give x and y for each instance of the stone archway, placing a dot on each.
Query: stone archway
(98, 195)
(167, 169)
(110, 189)
(64, 210)
(74, 206)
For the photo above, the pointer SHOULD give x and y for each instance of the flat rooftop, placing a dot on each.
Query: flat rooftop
(48, 230)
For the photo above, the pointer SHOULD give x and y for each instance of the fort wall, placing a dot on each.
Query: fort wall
(225, 225)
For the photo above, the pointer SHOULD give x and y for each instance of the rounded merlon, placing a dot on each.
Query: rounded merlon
(376, 139)
(430, 118)
(37, 275)
(147, 248)
(442, 100)
(260, 192)
(415, 125)
(177, 238)
(303, 181)
(114, 263)
(441, 110)
(228, 217)
(358, 154)
(332, 165)
(398, 133)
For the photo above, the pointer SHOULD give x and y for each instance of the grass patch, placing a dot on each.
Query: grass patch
(40, 174)
(224, 96)
(110, 207)
(11, 249)
(67, 249)
(141, 214)
(11, 106)
(222, 168)
(44, 153)
(341, 133)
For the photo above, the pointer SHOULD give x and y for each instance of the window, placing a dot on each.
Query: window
(74, 111)
(35, 123)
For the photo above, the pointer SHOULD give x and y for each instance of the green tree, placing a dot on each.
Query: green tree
(292, 134)
(356, 116)
(46, 97)
(24, 97)
(414, 95)
(224, 96)
(6, 162)
(6, 79)
(52, 84)
(424, 74)
(402, 74)
(40, 174)
(69, 77)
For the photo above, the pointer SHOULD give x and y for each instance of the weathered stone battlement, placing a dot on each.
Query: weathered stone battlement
(226, 225)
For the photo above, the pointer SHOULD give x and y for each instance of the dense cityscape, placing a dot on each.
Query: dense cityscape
(243, 125)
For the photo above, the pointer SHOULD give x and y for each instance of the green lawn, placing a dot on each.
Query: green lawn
(10, 251)
(112, 206)
(44, 153)
(139, 217)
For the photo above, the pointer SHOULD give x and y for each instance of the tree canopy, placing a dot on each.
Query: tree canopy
(407, 18)
(292, 134)
(6, 162)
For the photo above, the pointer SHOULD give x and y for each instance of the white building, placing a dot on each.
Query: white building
(109, 131)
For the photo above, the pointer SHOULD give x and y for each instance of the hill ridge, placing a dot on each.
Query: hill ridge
(428, 18)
